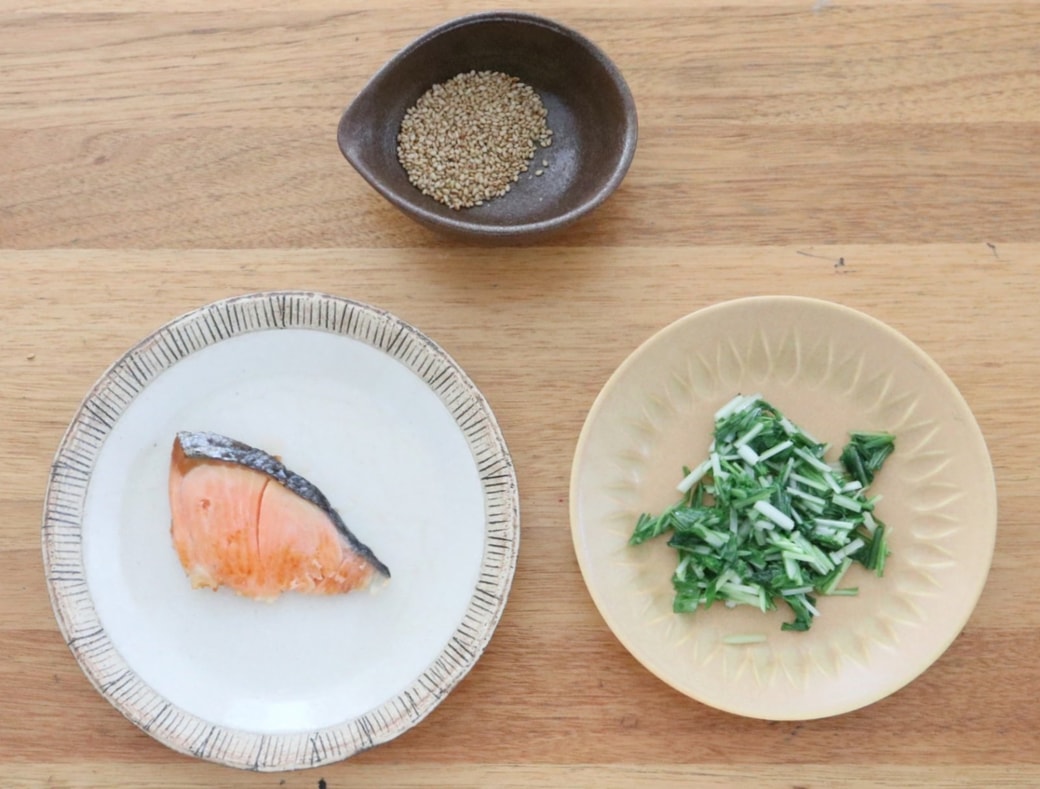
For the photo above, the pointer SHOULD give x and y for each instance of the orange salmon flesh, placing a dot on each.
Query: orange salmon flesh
(235, 526)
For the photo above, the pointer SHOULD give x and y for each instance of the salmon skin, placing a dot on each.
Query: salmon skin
(241, 519)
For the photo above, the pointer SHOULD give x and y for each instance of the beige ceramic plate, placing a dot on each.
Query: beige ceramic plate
(832, 370)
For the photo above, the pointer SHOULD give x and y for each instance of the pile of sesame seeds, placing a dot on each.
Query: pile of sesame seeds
(468, 140)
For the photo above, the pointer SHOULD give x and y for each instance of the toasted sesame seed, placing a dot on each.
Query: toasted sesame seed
(467, 139)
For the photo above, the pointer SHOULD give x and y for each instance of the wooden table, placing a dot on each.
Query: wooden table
(158, 156)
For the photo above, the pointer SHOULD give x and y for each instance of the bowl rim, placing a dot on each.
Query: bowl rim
(504, 231)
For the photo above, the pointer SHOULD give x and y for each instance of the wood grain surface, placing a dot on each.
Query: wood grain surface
(156, 157)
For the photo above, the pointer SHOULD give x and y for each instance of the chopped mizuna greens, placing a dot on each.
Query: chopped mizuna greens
(865, 453)
(765, 518)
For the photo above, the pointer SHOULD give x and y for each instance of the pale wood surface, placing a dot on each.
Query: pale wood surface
(155, 157)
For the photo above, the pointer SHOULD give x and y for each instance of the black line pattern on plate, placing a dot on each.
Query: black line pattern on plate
(157, 717)
(98, 416)
(317, 749)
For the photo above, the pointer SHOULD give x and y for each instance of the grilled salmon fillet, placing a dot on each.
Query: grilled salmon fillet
(241, 519)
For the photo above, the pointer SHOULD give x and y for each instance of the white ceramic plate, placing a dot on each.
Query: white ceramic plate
(831, 370)
(401, 442)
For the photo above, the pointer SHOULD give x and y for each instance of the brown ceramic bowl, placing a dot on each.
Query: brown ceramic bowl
(591, 113)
